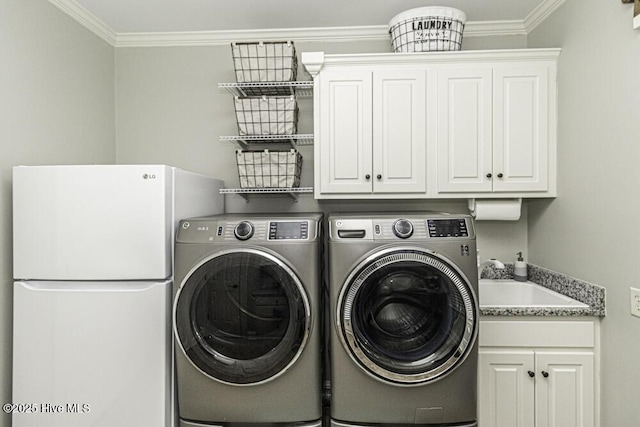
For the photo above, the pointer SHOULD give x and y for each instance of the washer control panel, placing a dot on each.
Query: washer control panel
(455, 227)
(395, 228)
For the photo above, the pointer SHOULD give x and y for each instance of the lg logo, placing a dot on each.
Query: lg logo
(149, 176)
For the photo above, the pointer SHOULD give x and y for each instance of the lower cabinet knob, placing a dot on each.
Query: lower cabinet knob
(545, 374)
(531, 374)
(379, 176)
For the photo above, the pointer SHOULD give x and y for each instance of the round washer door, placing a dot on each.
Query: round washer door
(242, 317)
(407, 316)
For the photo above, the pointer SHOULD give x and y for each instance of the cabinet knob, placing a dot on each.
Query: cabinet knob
(489, 175)
(531, 374)
(367, 177)
(500, 175)
(545, 374)
(379, 176)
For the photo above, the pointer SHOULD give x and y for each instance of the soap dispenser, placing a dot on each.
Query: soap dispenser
(520, 269)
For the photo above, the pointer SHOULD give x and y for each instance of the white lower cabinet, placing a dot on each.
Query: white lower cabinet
(538, 374)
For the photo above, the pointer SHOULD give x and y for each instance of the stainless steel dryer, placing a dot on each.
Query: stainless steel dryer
(405, 319)
(246, 320)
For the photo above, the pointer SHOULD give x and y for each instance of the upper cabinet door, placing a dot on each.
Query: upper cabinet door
(521, 127)
(399, 125)
(464, 129)
(345, 139)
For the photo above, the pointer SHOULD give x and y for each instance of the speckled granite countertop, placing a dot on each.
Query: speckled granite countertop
(585, 292)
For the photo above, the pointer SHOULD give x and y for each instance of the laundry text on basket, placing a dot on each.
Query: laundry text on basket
(431, 25)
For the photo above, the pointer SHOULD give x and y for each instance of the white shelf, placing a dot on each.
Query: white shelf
(245, 141)
(245, 192)
(300, 89)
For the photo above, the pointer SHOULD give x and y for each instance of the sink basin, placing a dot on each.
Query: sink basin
(510, 293)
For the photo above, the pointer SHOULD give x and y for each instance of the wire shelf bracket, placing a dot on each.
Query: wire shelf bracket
(246, 141)
(246, 192)
(301, 89)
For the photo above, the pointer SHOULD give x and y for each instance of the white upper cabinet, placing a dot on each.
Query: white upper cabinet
(493, 128)
(371, 132)
(435, 125)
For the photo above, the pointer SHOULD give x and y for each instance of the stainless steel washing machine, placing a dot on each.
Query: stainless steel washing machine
(246, 320)
(405, 319)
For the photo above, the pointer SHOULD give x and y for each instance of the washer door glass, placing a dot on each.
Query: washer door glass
(407, 316)
(242, 317)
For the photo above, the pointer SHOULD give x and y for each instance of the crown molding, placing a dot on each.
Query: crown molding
(540, 13)
(87, 20)
(319, 34)
(494, 28)
(209, 38)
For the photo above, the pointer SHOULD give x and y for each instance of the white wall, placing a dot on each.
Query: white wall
(591, 230)
(169, 110)
(57, 106)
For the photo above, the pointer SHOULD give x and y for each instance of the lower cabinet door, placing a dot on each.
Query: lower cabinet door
(506, 394)
(565, 389)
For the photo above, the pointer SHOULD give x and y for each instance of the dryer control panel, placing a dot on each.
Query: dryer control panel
(250, 230)
(288, 230)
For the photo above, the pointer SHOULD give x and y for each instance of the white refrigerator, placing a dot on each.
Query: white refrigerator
(92, 262)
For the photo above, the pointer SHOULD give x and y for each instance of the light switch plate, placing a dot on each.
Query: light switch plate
(635, 302)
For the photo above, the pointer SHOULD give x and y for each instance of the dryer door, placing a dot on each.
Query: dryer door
(242, 317)
(407, 316)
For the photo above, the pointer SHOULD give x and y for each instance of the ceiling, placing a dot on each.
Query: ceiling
(115, 19)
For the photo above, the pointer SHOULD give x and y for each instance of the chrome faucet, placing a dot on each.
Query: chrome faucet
(494, 262)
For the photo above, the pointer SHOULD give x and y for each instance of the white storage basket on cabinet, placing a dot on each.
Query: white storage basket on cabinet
(427, 29)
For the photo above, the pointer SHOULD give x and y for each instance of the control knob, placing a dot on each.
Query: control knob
(244, 230)
(403, 228)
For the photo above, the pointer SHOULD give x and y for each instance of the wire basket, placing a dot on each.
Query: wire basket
(269, 169)
(264, 61)
(267, 115)
(427, 29)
